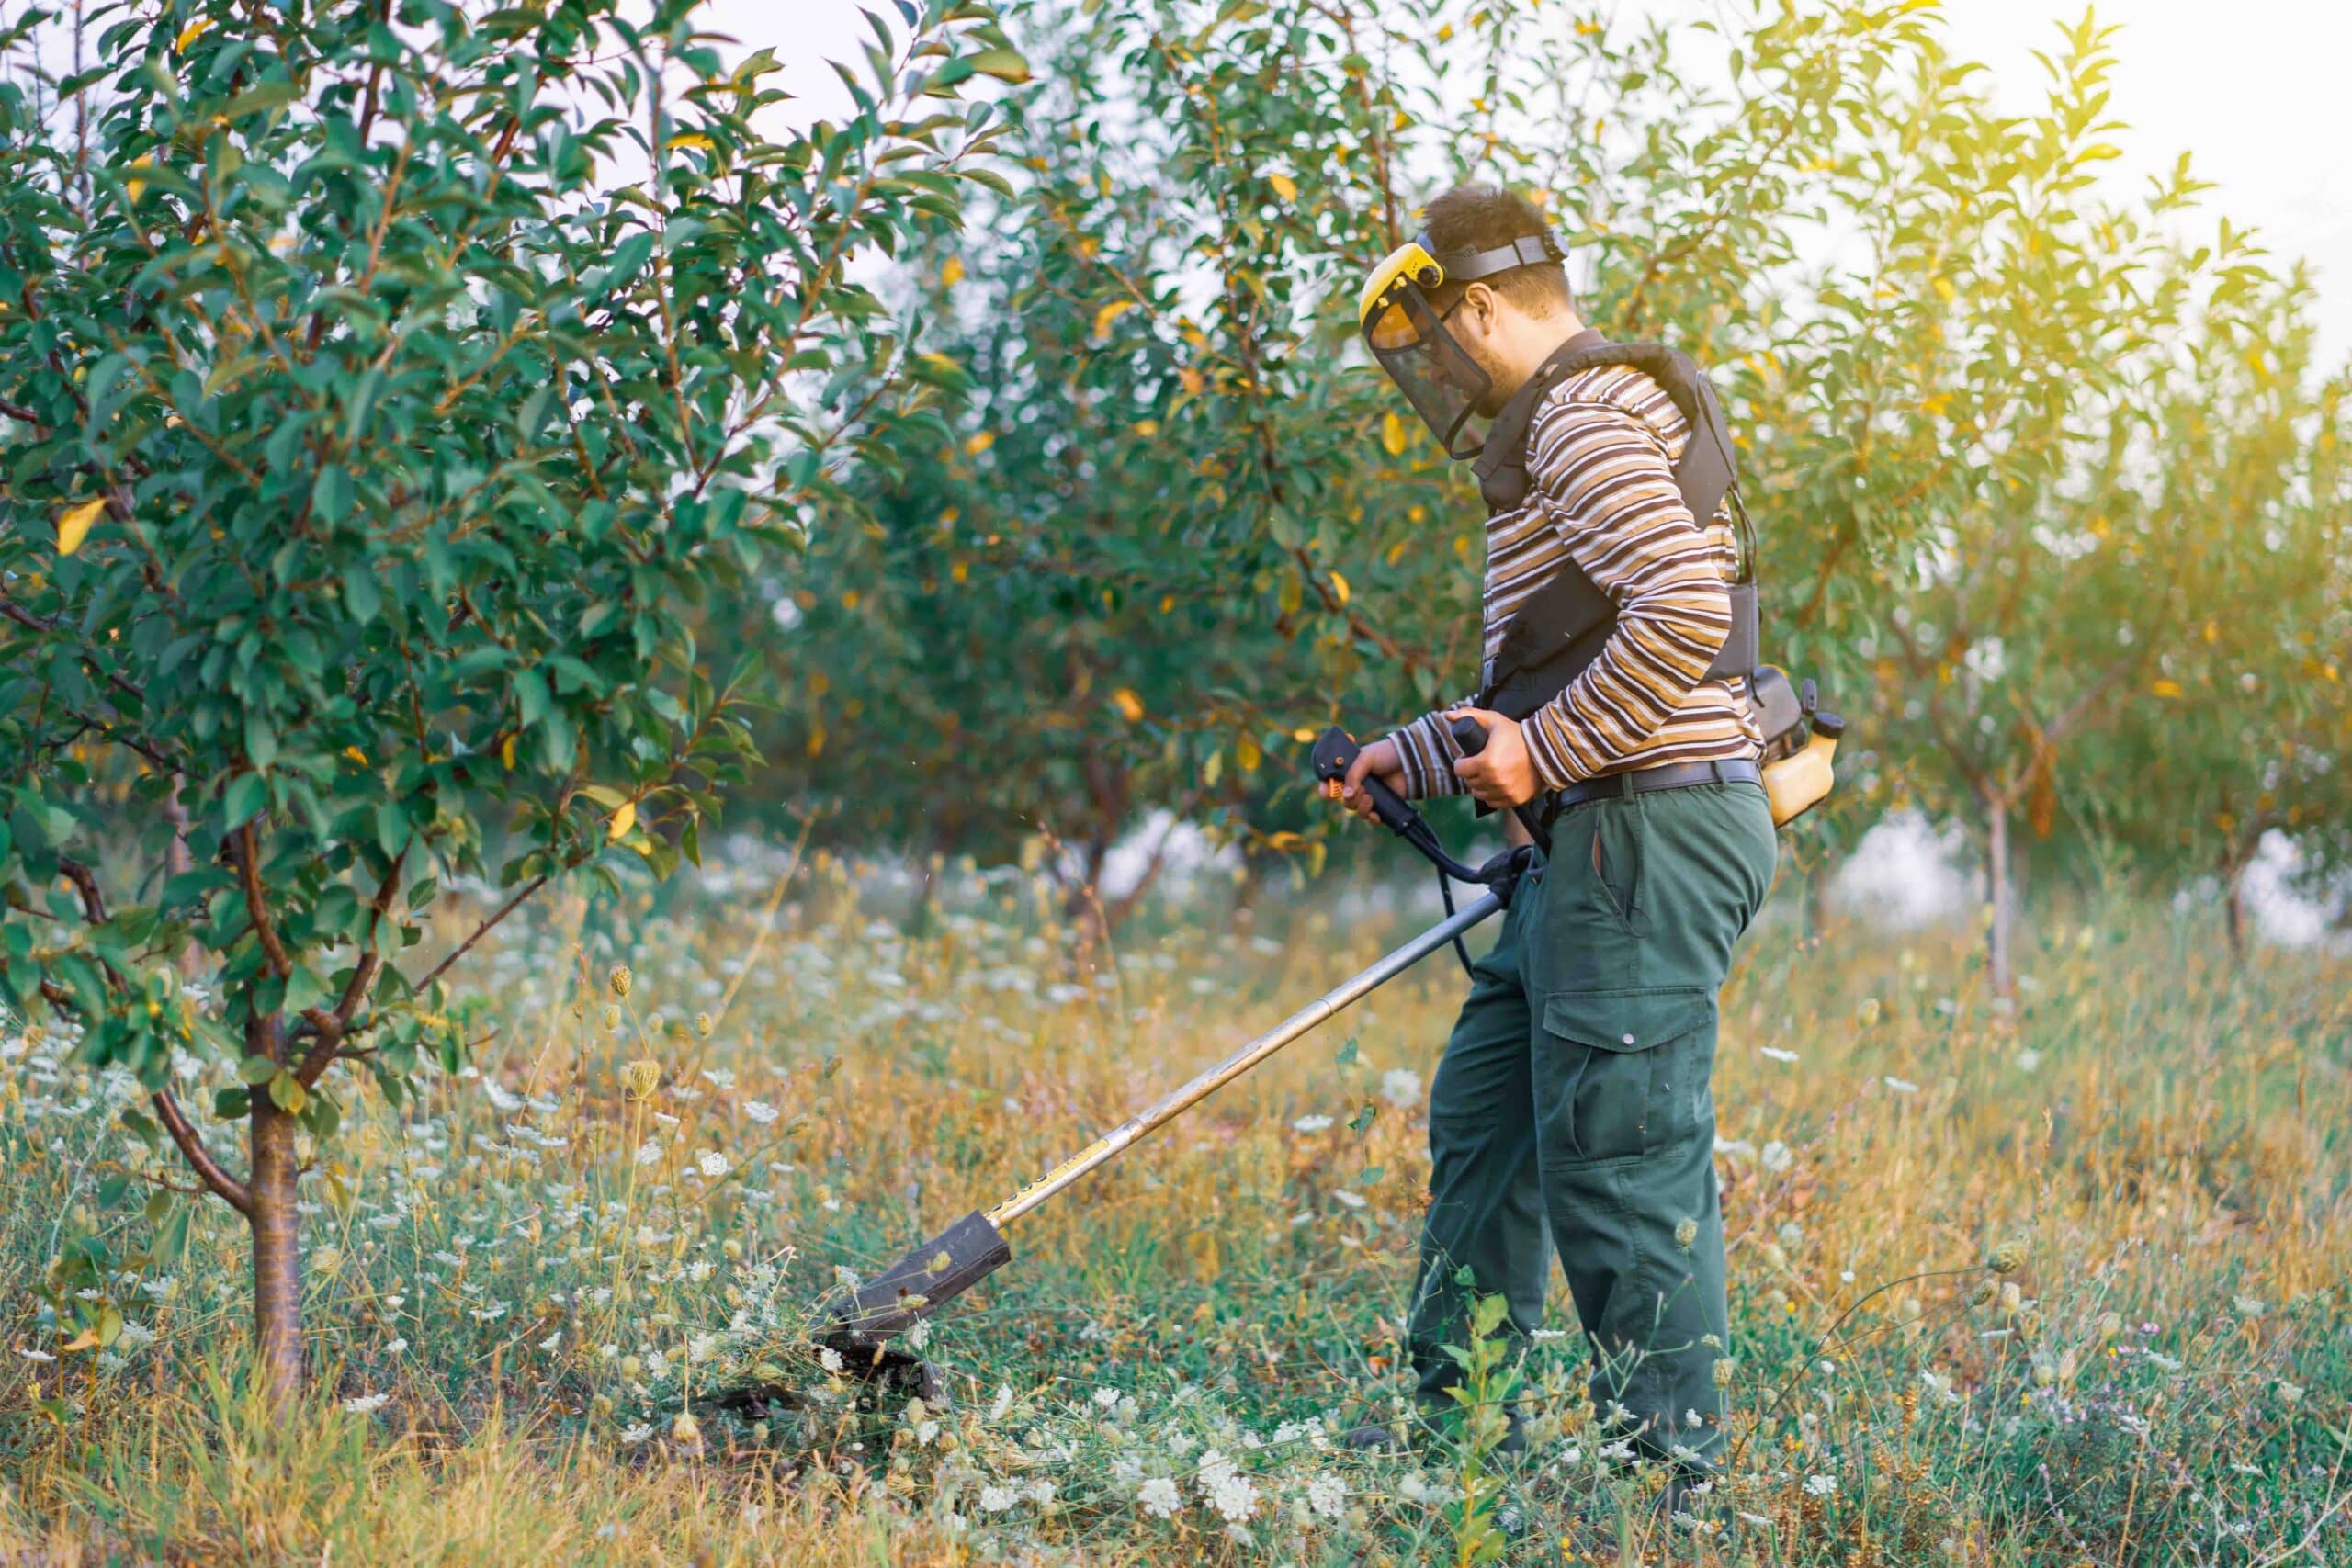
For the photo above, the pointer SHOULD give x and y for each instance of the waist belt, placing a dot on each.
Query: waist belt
(1638, 780)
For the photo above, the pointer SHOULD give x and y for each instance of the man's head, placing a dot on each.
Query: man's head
(1476, 337)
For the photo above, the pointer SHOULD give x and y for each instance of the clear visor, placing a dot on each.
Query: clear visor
(1438, 378)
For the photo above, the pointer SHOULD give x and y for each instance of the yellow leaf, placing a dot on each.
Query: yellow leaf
(1944, 290)
(357, 755)
(961, 572)
(953, 273)
(1284, 186)
(507, 753)
(2167, 688)
(1304, 734)
(980, 442)
(694, 139)
(623, 820)
(191, 32)
(1146, 427)
(1111, 312)
(74, 526)
(1129, 704)
(1392, 434)
(85, 1340)
(1193, 380)
(1246, 752)
(1340, 587)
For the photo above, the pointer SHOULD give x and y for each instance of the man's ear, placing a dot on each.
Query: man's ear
(1482, 306)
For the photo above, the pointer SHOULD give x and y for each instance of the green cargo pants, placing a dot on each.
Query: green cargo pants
(1574, 1108)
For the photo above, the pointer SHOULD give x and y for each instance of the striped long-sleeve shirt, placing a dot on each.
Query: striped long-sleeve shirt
(1601, 471)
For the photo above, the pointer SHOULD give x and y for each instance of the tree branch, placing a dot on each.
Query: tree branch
(227, 1188)
(482, 929)
(331, 1029)
(243, 851)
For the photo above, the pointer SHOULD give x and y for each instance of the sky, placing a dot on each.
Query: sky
(2252, 90)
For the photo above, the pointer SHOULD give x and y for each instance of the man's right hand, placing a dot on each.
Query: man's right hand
(1378, 759)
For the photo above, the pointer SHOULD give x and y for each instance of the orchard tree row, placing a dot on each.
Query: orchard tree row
(2052, 491)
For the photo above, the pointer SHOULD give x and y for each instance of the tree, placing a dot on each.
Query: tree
(367, 467)
(2006, 333)
(2241, 726)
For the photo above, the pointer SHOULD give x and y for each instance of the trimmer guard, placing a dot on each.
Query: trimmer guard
(894, 1300)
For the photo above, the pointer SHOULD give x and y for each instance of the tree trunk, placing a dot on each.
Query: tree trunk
(277, 1249)
(2233, 905)
(176, 862)
(917, 921)
(2000, 912)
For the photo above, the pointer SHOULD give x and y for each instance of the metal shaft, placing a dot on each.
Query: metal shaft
(1177, 1102)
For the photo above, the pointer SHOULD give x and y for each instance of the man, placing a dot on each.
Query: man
(1573, 1106)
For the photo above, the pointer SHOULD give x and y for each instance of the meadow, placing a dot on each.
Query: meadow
(2054, 1284)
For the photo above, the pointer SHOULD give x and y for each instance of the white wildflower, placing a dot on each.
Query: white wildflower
(1401, 1087)
(759, 1110)
(368, 1404)
(714, 1164)
(1352, 1200)
(1774, 1054)
(1901, 1086)
(1106, 1397)
(1310, 1123)
(1003, 1402)
(997, 1499)
(1159, 1497)
(830, 1359)
(1820, 1485)
(1776, 1157)
(1326, 1494)
(1233, 1497)
(650, 1152)
(632, 1436)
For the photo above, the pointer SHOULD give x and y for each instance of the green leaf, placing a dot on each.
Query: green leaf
(1003, 65)
(330, 495)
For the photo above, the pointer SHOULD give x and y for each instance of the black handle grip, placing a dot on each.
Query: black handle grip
(1335, 753)
(1469, 734)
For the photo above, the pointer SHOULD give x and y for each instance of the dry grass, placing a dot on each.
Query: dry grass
(522, 1309)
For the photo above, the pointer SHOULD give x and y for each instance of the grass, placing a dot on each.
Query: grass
(2060, 1285)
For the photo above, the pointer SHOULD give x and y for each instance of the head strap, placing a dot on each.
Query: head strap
(1469, 266)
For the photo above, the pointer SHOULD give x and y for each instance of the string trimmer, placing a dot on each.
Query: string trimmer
(864, 1320)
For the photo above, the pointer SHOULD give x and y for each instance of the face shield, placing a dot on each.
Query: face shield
(1407, 335)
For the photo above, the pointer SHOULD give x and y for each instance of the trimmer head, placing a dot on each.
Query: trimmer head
(866, 1319)
(894, 1300)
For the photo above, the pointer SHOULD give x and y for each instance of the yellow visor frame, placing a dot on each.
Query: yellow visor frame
(1380, 310)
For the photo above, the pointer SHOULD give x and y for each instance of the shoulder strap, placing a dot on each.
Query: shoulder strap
(1706, 471)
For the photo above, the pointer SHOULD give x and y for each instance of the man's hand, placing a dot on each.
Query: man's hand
(1502, 775)
(1378, 759)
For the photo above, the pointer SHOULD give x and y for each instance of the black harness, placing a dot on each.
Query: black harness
(1563, 627)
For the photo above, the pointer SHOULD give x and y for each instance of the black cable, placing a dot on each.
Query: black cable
(1445, 891)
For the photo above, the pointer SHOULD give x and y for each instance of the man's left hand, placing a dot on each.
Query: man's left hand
(1502, 775)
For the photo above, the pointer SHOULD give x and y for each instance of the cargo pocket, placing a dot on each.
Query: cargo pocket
(1620, 1075)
